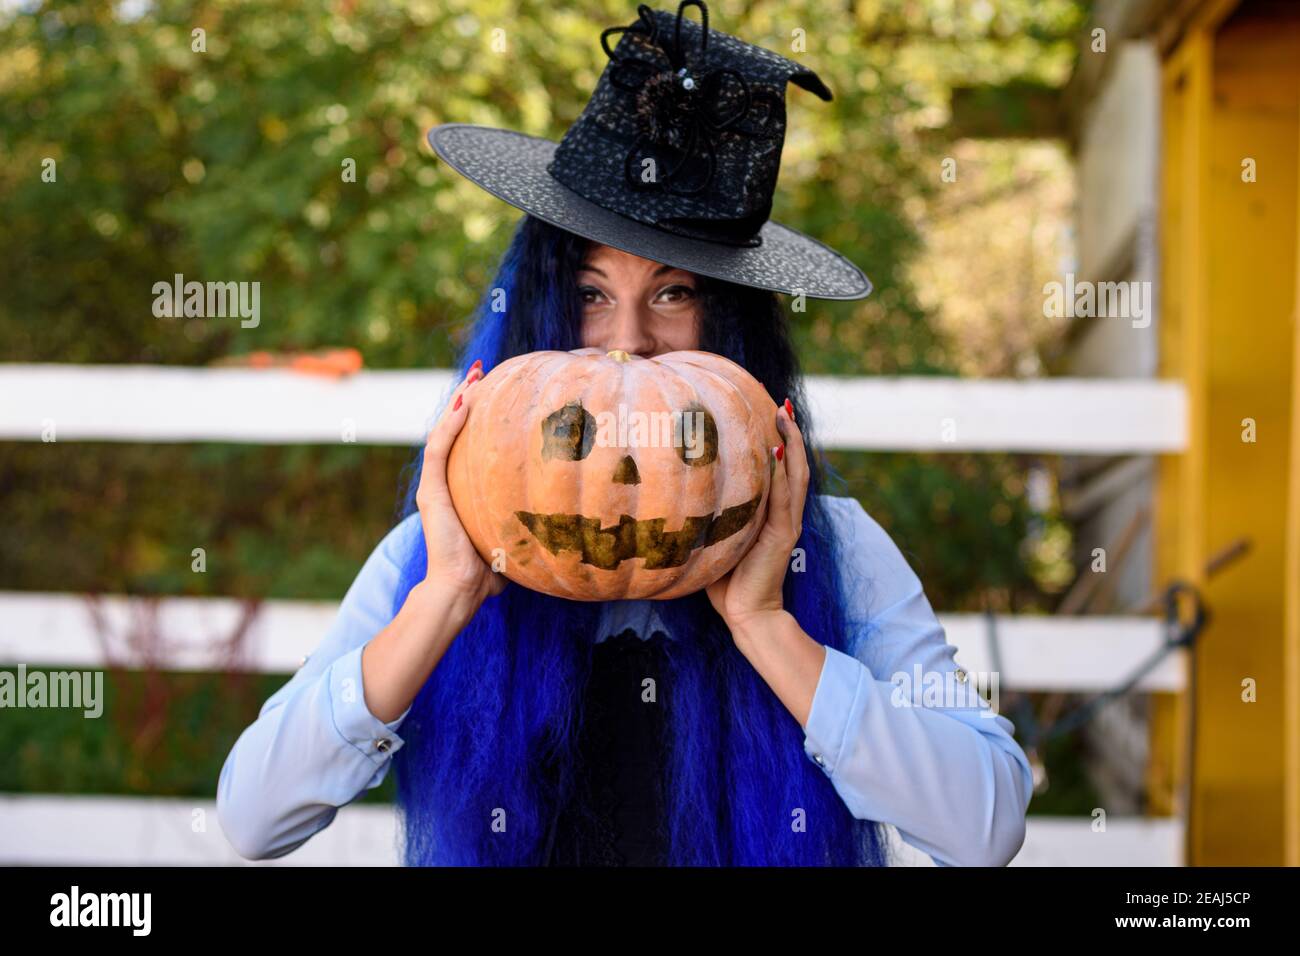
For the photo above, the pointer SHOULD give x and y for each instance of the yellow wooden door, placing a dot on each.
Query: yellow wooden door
(1228, 292)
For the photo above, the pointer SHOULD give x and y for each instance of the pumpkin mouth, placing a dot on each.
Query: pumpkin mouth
(606, 548)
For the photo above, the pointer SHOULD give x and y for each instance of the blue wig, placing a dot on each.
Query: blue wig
(492, 737)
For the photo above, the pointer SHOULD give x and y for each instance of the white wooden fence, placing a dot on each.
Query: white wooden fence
(156, 404)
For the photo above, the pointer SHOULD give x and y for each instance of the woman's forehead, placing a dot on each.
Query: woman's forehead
(607, 256)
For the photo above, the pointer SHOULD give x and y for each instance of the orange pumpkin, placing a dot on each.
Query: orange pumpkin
(605, 476)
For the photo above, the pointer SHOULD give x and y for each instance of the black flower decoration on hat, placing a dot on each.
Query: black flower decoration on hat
(683, 108)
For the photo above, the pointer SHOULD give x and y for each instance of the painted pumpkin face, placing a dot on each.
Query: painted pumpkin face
(601, 477)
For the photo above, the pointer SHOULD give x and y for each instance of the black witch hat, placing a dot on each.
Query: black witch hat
(675, 159)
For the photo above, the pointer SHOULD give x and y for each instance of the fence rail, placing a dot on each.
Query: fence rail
(41, 829)
(1039, 653)
(177, 404)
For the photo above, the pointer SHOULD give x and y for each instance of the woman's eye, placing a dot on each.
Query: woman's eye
(678, 293)
(589, 294)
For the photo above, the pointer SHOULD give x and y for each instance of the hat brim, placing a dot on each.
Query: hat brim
(512, 167)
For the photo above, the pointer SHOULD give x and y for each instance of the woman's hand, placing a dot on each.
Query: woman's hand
(456, 574)
(750, 593)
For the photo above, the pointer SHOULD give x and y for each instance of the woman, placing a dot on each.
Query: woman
(752, 723)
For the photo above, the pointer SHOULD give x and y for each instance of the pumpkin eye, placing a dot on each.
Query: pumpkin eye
(699, 436)
(568, 433)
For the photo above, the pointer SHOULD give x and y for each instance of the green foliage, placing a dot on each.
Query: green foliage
(227, 164)
(160, 734)
(292, 522)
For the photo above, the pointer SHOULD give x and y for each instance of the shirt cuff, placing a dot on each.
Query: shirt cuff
(837, 691)
(377, 739)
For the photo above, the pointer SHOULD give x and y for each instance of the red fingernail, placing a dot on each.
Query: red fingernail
(478, 363)
(789, 409)
(459, 399)
(780, 452)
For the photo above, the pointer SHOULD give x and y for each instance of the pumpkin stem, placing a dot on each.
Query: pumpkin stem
(618, 355)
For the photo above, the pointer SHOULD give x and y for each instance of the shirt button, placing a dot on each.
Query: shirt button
(383, 745)
(817, 759)
(961, 676)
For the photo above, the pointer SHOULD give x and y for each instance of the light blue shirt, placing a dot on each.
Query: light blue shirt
(947, 774)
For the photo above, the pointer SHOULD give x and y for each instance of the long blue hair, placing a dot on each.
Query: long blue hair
(492, 738)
